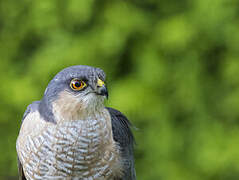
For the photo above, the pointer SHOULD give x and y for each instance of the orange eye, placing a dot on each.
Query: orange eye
(77, 84)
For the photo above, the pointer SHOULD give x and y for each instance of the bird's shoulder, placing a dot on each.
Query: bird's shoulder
(121, 127)
(34, 106)
(123, 135)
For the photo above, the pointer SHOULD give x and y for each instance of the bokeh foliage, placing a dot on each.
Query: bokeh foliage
(172, 68)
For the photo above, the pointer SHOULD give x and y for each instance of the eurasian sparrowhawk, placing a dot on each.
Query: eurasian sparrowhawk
(70, 134)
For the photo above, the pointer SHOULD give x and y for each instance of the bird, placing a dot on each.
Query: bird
(70, 134)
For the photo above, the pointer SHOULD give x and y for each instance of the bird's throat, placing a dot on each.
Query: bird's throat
(68, 107)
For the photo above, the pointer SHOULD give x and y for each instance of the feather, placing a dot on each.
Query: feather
(31, 108)
(122, 134)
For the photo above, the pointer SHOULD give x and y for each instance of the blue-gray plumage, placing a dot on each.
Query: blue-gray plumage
(70, 134)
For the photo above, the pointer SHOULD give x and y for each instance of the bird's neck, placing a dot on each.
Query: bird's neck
(71, 112)
(68, 108)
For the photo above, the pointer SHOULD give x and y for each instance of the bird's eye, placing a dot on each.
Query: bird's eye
(77, 84)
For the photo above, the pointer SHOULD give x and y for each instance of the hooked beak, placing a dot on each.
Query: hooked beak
(102, 89)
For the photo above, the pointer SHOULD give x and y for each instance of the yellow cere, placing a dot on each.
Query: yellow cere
(100, 83)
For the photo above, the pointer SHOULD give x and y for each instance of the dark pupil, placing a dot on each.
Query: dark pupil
(77, 84)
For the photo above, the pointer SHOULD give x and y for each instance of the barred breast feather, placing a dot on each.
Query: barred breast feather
(80, 149)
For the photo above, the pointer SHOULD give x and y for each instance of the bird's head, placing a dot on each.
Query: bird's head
(75, 92)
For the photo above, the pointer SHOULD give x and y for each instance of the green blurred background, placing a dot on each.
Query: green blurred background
(172, 67)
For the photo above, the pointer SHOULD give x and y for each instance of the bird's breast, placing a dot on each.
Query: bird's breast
(80, 149)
